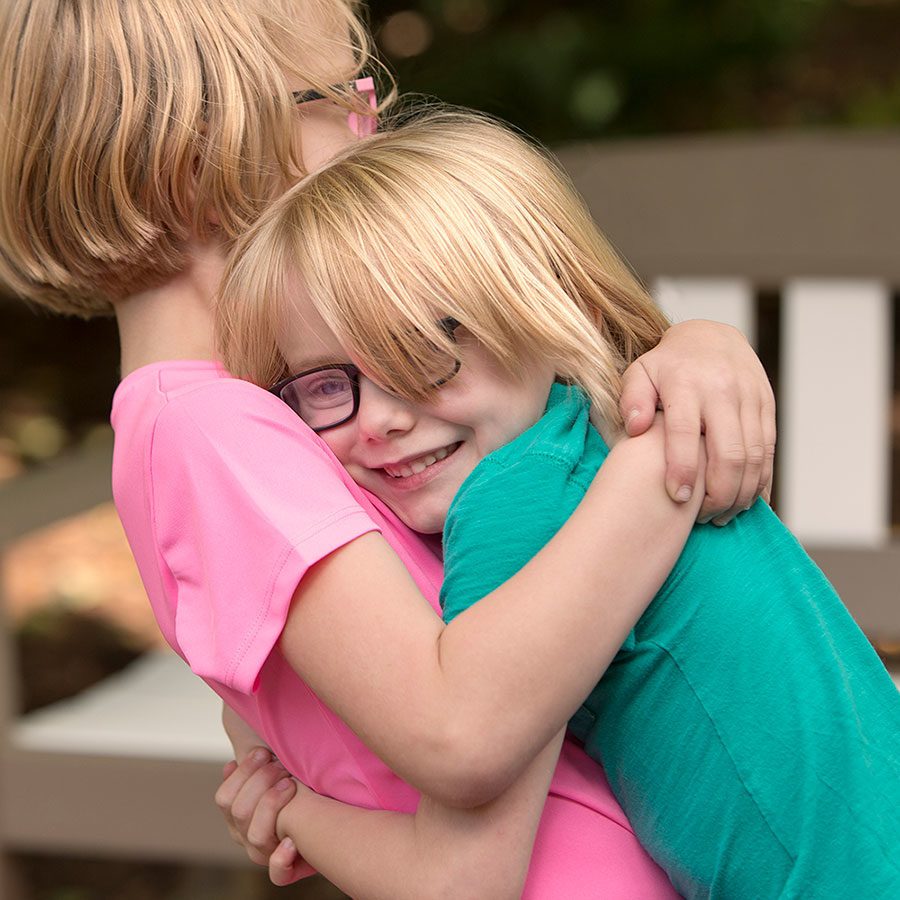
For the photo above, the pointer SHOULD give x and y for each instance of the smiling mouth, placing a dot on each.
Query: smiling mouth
(421, 463)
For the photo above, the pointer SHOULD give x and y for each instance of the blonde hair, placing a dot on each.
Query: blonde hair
(448, 215)
(131, 123)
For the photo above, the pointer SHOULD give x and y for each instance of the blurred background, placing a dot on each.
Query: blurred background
(741, 153)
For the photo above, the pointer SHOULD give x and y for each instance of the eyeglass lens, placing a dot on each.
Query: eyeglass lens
(322, 398)
(328, 396)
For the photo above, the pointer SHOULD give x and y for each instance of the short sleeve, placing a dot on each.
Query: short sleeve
(244, 500)
(516, 499)
(501, 518)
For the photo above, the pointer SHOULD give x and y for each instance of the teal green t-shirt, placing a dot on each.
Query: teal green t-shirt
(746, 726)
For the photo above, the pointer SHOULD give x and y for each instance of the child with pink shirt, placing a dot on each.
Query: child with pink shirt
(449, 316)
(171, 126)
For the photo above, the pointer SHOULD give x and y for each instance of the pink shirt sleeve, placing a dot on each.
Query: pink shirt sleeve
(245, 499)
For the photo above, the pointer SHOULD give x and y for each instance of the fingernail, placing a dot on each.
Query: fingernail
(632, 415)
(684, 493)
(261, 755)
(283, 785)
(288, 844)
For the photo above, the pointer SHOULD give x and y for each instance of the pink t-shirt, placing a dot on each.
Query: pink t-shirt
(227, 499)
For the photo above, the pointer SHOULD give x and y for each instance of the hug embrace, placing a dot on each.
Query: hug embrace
(619, 701)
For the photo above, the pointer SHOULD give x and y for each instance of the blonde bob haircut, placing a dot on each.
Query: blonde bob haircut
(450, 214)
(130, 124)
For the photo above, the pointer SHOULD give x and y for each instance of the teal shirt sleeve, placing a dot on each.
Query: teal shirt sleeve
(516, 499)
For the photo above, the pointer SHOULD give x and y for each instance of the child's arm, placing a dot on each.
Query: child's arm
(437, 703)
(707, 378)
(243, 738)
(438, 852)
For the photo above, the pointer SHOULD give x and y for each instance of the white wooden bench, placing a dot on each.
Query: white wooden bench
(710, 222)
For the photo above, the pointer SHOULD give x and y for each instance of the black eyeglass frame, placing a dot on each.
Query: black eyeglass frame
(447, 324)
(365, 84)
(360, 123)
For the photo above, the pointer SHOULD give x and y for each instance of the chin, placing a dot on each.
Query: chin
(423, 522)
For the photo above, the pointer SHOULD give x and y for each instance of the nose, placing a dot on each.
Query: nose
(382, 415)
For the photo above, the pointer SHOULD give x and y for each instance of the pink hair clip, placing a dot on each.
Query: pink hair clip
(360, 124)
(364, 125)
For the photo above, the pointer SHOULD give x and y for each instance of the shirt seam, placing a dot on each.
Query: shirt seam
(291, 546)
(666, 650)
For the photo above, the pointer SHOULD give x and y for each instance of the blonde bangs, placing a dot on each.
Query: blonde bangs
(129, 122)
(252, 301)
(454, 215)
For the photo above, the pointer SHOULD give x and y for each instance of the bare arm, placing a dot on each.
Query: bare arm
(436, 702)
(243, 738)
(438, 852)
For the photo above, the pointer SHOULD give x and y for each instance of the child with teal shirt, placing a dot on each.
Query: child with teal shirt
(748, 729)
(737, 742)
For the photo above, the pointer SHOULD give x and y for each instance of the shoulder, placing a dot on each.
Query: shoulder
(226, 450)
(229, 420)
(560, 452)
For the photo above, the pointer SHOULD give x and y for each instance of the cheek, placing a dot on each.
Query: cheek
(520, 407)
(340, 441)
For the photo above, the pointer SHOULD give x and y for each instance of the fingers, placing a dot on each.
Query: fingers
(235, 776)
(255, 808)
(709, 381)
(742, 453)
(683, 426)
(261, 832)
(753, 453)
(286, 865)
(759, 438)
(639, 398)
(727, 454)
(241, 793)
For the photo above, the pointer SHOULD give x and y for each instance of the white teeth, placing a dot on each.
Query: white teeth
(419, 465)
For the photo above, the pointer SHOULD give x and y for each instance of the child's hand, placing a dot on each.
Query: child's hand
(707, 380)
(251, 797)
(286, 865)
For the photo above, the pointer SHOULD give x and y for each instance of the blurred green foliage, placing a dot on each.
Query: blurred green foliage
(584, 69)
(590, 68)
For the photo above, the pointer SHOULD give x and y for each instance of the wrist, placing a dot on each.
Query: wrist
(284, 819)
(297, 809)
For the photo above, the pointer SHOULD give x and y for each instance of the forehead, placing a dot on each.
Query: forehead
(304, 339)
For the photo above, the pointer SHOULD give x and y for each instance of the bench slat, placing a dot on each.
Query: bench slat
(156, 708)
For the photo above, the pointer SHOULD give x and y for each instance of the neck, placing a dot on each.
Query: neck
(175, 320)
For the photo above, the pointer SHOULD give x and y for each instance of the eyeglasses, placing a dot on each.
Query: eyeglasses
(328, 396)
(361, 125)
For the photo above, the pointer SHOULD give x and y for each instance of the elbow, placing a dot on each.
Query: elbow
(470, 769)
(477, 777)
